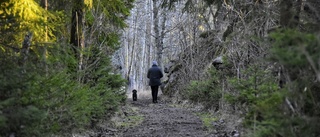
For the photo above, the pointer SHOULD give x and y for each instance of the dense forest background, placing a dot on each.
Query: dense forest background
(67, 64)
(56, 73)
(254, 62)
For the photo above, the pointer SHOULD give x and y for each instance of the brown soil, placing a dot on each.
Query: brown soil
(163, 120)
(142, 118)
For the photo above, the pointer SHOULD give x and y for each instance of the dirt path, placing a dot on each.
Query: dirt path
(162, 120)
(143, 118)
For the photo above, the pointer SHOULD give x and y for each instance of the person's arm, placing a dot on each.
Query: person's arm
(161, 74)
(148, 75)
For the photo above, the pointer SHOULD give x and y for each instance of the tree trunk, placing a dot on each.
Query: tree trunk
(44, 4)
(286, 12)
(160, 45)
(77, 38)
(26, 47)
(158, 51)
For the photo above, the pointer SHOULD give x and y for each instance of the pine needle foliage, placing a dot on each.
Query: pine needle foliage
(257, 96)
(20, 16)
(37, 102)
(206, 92)
(298, 52)
(291, 110)
(40, 95)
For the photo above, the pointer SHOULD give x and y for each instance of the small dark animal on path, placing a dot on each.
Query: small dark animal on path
(134, 95)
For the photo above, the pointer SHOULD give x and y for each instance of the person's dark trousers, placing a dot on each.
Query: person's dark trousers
(154, 90)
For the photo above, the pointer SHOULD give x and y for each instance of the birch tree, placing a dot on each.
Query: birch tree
(148, 38)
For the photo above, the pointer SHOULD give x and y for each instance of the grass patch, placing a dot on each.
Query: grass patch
(128, 117)
(207, 120)
(130, 121)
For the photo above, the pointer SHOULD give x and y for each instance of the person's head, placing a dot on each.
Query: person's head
(154, 63)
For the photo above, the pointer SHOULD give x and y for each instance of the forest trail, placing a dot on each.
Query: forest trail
(162, 119)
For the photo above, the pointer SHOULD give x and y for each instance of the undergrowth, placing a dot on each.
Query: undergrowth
(128, 116)
(43, 97)
(208, 119)
(206, 92)
(278, 100)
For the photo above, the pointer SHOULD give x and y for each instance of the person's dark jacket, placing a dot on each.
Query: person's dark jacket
(154, 74)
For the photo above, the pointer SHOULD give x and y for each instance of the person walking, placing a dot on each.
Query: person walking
(154, 75)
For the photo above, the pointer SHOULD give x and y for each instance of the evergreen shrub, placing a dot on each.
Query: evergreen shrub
(291, 110)
(41, 99)
(257, 95)
(206, 92)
